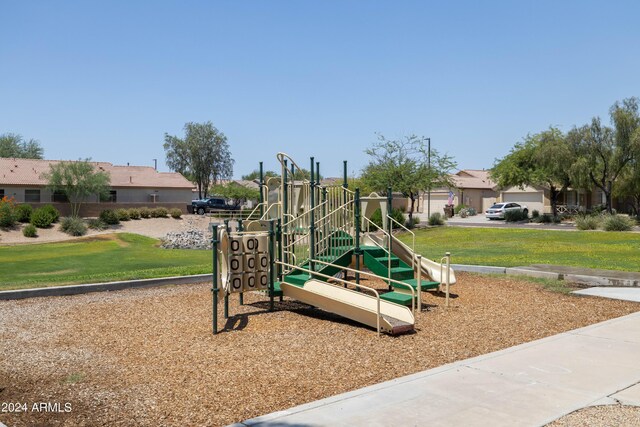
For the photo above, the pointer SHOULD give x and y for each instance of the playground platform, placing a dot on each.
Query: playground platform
(527, 385)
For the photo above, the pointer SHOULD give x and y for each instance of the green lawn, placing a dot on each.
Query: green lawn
(518, 247)
(102, 258)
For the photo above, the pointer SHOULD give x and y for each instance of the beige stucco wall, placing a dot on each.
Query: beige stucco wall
(123, 195)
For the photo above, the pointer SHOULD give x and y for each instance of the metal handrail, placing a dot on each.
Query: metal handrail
(447, 259)
(387, 251)
(345, 282)
(413, 236)
(366, 273)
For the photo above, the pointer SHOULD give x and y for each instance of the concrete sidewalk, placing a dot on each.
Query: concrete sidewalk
(527, 385)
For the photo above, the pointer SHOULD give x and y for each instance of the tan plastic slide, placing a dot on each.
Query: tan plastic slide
(358, 306)
(431, 268)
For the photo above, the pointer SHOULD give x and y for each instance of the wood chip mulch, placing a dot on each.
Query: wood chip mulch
(147, 357)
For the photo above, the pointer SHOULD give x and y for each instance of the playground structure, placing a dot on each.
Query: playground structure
(303, 240)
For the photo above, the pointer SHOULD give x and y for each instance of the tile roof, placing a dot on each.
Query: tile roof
(471, 178)
(30, 171)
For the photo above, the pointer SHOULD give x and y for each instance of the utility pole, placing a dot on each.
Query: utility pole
(429, 186)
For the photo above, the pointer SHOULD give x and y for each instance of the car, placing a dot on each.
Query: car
(211, 204)
(498, 209)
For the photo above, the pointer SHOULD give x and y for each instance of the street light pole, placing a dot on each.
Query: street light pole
(429, 186)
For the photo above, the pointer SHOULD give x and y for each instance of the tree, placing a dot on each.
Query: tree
(254, 175)
(627, 124)
(403, 165)
(603, 153)
(236, 192)
(13, 145)
(77, 180)
(203, 155)
(542, 159)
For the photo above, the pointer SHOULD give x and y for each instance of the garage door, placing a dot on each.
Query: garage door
(438, 202)
(532, 200)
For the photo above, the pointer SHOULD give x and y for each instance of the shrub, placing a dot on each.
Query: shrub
(42, 217)
(7, 212)
(535, 214)
(73, 226)
(587, 222)
(109, 217)
(617, 223)
(176, 213)
(145, 213)
(52, 212)
(436, 218)
(159, 213)
(513, 216)
(30, 231)
(472, 212)
(396, 214)
(458, 208)
(96, 224)
(134, 213)
(122, 214)
(23, 213)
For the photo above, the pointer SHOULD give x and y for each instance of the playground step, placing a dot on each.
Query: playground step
(374, 251)
(397, 297)
(297, 279)
(425, 285)
(401, 273)
(395, 261)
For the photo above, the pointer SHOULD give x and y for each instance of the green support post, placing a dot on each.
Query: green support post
(312, 225)
(388, 221)
(357, 238)
(271, 264)
(261, 195)
(279, 248)
(214, 286)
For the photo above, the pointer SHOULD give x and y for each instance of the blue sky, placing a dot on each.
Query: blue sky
(107, 79)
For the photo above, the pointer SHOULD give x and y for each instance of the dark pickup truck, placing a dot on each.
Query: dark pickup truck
(211, 204)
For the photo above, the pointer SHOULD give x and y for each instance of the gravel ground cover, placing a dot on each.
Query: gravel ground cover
(147, 356)
(601, 416)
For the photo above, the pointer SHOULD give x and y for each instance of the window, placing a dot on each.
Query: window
(112, 197)
(60, 196)
(32, 196)
(1, 193)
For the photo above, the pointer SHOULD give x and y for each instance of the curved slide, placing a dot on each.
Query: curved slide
(394, 319)
(404, 252)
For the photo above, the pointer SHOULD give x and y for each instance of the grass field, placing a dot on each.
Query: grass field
(518, 247)
(97, 259)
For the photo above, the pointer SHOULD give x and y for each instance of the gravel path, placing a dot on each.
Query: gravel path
(147, 357)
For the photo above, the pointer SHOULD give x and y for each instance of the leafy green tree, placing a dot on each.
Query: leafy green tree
(236, 192)
(402, 164)
(627, 124)
(541, 159)
(13, 145)
(604, 153)
(256, 175)
(77, 180)
(203, 155)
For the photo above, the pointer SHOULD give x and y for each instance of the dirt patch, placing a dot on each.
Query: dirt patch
(147, 357)
(601, 416)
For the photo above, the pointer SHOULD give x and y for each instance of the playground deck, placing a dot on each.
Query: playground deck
(145, 357)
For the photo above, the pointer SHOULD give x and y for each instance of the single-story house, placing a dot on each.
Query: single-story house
(473, 188)
(571, 201)
(131, 186)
